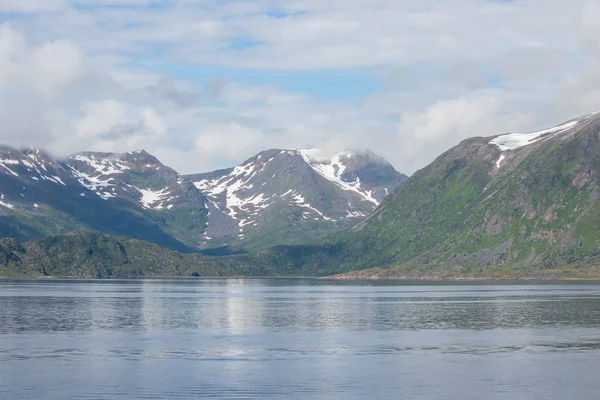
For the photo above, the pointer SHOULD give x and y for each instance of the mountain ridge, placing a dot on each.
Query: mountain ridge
(514, 205)
(484, 207)
(133, 194)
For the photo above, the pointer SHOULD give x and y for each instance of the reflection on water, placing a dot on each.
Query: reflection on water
(298, 339)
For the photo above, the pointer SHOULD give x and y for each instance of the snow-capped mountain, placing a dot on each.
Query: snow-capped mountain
(509, 206)
(26, 170)
(278, 196)
(135, 176)
(129, 194)
(288, 196)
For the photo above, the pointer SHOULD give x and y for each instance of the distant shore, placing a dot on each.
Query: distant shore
(347, 277)
(566, 274)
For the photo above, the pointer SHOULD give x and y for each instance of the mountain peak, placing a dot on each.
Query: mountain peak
(30, 165)
(356, 170)
(140, 157)
(324, 155)
(279, 195)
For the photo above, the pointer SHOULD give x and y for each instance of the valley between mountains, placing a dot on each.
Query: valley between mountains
(516, 205)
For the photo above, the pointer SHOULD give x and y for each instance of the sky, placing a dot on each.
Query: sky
(205, 84)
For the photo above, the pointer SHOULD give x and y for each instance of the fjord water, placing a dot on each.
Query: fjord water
(257, 339)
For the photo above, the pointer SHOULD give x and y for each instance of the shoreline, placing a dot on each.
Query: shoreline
(333, 278)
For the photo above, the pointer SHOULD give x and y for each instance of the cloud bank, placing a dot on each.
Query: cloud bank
(206, 84)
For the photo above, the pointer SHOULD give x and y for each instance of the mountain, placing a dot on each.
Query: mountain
(121, 194)
(259, 204)
(292, 196)
(510, 205)
(142, 182)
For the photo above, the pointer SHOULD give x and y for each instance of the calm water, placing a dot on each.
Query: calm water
(257, 339)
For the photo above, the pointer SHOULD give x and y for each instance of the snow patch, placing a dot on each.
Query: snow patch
(355, 214)
(27, 164)
(513, 141)
(502, 157)
(300, 201)
(154, 199)
(232, 187)
(4, 203)
(103, 166)
(95, 184)
(53, 178)
(4, 164)
(333, 170)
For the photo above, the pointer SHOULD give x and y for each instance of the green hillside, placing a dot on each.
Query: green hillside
(479, 210)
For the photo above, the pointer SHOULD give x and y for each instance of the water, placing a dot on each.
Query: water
(261, 339)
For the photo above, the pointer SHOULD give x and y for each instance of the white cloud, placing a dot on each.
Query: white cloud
(47, 69)
(78, 78)
(111, 126)
(590, 28)
(110, 118)
(315, 33)
(425, 134)
(12, 46)
(31, 6)
(54, 65)
(231, 141)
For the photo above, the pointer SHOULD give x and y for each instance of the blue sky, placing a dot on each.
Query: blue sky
(207, 83)
(325, 84)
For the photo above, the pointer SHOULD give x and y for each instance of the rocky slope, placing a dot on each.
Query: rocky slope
(292, 196)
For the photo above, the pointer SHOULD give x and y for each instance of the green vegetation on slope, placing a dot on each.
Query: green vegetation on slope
(536, 215)
(94, 255)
